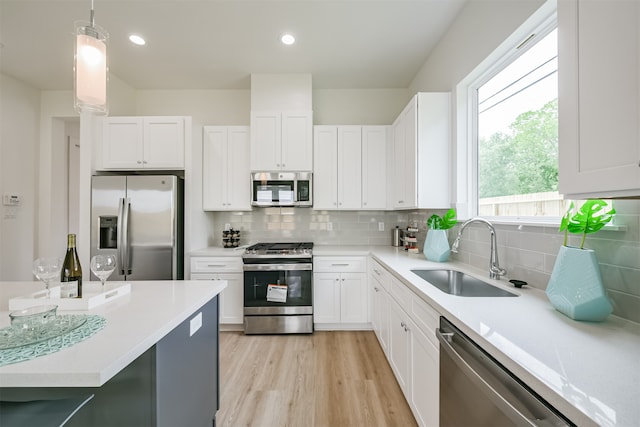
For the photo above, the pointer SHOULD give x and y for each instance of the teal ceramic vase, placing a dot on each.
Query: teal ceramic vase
(575, 288)
(436, 246)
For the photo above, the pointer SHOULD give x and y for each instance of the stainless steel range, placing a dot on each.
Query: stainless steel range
(278, 288)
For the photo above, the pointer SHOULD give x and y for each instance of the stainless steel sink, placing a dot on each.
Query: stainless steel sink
(461, 284)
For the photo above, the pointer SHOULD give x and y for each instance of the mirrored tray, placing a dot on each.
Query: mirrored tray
(15, 337)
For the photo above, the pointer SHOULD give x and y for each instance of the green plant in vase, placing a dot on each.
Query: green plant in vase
(436, 245)
(590, 218)
(575, 287)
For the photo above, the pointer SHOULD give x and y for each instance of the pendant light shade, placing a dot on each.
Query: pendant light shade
(91, 71)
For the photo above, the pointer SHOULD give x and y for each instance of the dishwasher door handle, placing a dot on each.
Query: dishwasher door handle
(505, 406)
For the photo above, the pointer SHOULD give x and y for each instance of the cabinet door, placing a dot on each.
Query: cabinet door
(410, 151)
(326, 298)
(232, 299)
(297, 141)
(379, 313)
(374, 167)
(214, 168)
(122, 143)
(265, 141)
(599, 128)
(399, 345)
(425, 378)
(349, 167)
(325, 167)
(433, 139)
(354, 307)
(238, 169)
(163, 142)
(405, 163)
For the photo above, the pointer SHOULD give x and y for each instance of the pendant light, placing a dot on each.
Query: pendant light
(91, 72)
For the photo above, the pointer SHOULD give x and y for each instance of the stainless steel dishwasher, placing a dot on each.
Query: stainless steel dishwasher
(476, 390)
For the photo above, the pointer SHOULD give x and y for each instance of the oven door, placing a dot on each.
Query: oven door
(278, 289)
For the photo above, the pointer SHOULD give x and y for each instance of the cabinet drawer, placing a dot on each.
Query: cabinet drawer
(401, 293)
(216, 264)
(426, 317)
(340, 264)
(379, 273)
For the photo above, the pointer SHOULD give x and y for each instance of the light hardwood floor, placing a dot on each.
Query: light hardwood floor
(336, 379)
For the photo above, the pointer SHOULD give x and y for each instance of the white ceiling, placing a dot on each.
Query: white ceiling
(217, 44)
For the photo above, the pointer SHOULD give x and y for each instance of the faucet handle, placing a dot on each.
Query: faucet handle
(496, 272)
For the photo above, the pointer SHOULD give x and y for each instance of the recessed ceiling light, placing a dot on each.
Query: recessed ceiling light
(287, 39)
(136, 39)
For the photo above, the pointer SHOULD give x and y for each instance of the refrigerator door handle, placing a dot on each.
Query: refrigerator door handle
(123, 236)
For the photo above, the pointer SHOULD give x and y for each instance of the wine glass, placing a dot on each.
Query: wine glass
(102, 266)
(46, 269)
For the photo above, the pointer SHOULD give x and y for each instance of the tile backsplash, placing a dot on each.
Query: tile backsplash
(527, 252)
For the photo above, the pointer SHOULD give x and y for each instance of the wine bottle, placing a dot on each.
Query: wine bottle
(71, 273)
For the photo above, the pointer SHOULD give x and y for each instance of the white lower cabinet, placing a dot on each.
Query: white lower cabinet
(399, 345)
(379, 298)
(424, 365)
(405, 326)
(223, 268)
(340, 293)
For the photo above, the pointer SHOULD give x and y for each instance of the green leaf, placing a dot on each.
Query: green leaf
(590, 218)
(436, 222)
(449, 219)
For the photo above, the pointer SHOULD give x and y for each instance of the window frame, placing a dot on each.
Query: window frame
(541, 23)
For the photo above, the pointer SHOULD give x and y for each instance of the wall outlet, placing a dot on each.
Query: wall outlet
(329, 226)
(195, 323)
(381, 226)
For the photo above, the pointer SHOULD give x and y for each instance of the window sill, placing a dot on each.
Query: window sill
(539, 222)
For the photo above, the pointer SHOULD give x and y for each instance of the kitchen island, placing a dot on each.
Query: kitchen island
(154, 363)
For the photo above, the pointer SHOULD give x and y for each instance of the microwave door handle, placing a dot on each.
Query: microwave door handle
(500, 401)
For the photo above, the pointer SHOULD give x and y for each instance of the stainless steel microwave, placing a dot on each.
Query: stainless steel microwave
(281, 189)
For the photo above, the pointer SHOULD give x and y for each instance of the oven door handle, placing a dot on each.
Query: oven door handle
(278, 267)
(446, 338)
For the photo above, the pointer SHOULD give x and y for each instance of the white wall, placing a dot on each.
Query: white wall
(478, 29)
(19, 115)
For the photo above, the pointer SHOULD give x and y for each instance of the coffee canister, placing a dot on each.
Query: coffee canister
(396, 237)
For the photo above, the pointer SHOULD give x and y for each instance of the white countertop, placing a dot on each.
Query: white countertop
(588, 371)
(135, 322)
(218, 251)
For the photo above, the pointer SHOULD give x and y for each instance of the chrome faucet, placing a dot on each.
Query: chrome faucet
(495, 272)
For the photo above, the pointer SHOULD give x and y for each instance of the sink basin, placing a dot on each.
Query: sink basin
(461, 284)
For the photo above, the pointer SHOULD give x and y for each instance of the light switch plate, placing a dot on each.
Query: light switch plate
(11, 200)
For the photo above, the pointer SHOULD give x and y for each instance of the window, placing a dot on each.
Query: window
(517, 135)
(507, 150)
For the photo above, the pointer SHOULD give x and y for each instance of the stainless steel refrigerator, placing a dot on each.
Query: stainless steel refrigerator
(139, 218)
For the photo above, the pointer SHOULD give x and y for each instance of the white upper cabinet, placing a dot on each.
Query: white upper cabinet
(599, 98)
(325, 167)
(421, 143)
(374, 167)
(337, 167)
(281, 141)
(131, 143)
(344, 158)
(225, 168)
